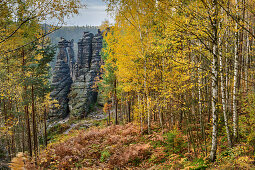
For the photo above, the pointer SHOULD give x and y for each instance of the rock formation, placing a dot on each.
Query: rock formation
(96, 62)
(83, 95)
(61, 82)
(71, 59)
(77, 79)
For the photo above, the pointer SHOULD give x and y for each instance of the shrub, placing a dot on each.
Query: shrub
(57, 130)
(198, 164)
(247, 120)
(175, 142)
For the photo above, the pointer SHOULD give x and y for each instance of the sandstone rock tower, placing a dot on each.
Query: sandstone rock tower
(73, 81)
(71, 62)
(61, 82)
(83, 95)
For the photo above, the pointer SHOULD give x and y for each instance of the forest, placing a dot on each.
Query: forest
(176, 88)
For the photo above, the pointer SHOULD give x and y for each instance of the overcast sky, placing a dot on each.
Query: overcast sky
(93, 15)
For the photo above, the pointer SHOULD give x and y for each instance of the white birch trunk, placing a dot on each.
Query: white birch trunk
(228, 106)
(141, 114)
(200, 105)
(214, 82)
(247, 57)
(223, 98)
(235, 119)
(214, 106)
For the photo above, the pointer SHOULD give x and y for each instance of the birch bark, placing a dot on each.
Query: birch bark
(235, 79)
(214, 81)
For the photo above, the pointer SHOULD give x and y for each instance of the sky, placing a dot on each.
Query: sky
(93, 15)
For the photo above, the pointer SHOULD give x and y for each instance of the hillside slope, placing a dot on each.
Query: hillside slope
(125, 147)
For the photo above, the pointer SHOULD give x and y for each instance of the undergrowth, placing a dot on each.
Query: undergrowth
(123, 146)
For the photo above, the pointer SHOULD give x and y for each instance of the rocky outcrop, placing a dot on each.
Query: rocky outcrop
(74, 81)
(71, 62)
(84, 54)
(83, 95)
(61, 82)
(96, 63)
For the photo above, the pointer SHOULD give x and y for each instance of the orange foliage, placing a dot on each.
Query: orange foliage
(86, 148)
(107, 107)
(18, 162)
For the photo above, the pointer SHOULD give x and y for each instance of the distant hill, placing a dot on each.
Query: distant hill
(70, 32)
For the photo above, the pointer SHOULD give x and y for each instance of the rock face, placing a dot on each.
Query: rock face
(83, 95)
(74, 81)
(71, 62)
(61, 82)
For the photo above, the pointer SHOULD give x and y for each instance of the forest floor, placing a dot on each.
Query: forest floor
(92, 144)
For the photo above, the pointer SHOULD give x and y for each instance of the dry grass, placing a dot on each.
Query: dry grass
(113, 146)
(124, 147)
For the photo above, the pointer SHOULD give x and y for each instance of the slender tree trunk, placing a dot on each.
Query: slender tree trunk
(160, 117)
(201, 117)
(13, 149)
(228, 107)
(223, 98)
(148, 114)
(235, 79)
(120, 110)
(45, 126)
(214, 110)
(214, 81)
(181, 112)
(140, 110)
(29, 143)
(193, 103)
(116, 102)
(23, 136)
(147, 98)
(109, 116)
(145, 78)
(9, 147)
(129, 110)
(209, 98)
(247, 56)
(34, 124)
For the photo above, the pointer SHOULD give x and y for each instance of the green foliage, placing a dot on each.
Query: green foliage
(247, 121)
(136, 161)
(199, 164)
(57, 130)
(175, 142)
(158, 156)
(156, 144)
(105, 155)
(237, 157)
(101, 123)
(106, 86)
(2, 154)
